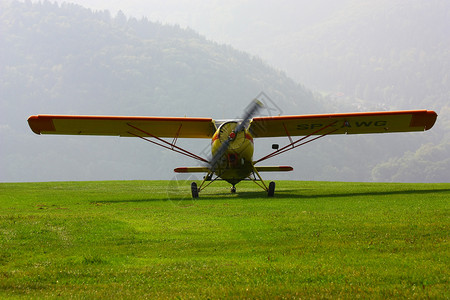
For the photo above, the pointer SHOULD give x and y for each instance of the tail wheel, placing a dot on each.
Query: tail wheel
(271, 190)
(194, 190)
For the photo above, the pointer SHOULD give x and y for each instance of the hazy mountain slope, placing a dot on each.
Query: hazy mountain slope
(380, 51)
(67, 59)
(395, 52)
(381, 55)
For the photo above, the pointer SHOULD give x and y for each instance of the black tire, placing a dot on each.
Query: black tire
(271, 190)
(194, 190)
(233, 190)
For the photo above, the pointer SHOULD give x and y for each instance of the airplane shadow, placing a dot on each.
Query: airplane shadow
(282, 194)
(375, 194)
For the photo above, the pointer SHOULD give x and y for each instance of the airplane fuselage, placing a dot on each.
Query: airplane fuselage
(236, 163)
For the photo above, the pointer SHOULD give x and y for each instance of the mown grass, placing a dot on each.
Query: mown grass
(148, 239)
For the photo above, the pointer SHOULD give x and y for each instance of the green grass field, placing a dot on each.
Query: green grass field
(149, 239)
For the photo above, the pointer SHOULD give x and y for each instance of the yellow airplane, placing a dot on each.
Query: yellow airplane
(232, 141)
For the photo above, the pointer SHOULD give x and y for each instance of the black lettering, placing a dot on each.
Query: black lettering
(366, 124)
(308, 126)
(302, 126)
(346, 124)
(380, 123)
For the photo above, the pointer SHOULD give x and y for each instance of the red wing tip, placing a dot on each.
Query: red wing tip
(431, 119)
(425, 119)
(39, 124)
(286, 168)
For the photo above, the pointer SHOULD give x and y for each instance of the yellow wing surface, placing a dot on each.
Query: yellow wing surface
(349, 123)
(123, 126)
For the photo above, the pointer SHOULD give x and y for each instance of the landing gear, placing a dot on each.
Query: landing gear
(271, 190)
(233, 189)
(194, 190)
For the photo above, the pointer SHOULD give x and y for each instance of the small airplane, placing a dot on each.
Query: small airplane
(232, 140)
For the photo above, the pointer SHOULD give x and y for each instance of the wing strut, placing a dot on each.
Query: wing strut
(263, 185)
(295, 145)
(171, 146)
(208, 177)
(287, 133)
(175, 139)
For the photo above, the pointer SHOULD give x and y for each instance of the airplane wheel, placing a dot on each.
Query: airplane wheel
(194, 190)
(233, 190)
(271, 191)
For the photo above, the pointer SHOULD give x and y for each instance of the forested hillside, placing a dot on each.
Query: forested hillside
(71, 60)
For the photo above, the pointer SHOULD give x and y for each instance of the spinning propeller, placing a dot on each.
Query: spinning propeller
(250, 111)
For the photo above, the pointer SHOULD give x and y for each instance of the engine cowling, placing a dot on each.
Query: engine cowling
(240, 148)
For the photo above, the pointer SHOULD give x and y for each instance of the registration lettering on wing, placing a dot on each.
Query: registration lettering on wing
(345, 124)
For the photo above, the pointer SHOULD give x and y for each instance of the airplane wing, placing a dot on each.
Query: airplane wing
(349, 123)
(123, 126)
(274, 169)
(192, 170)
